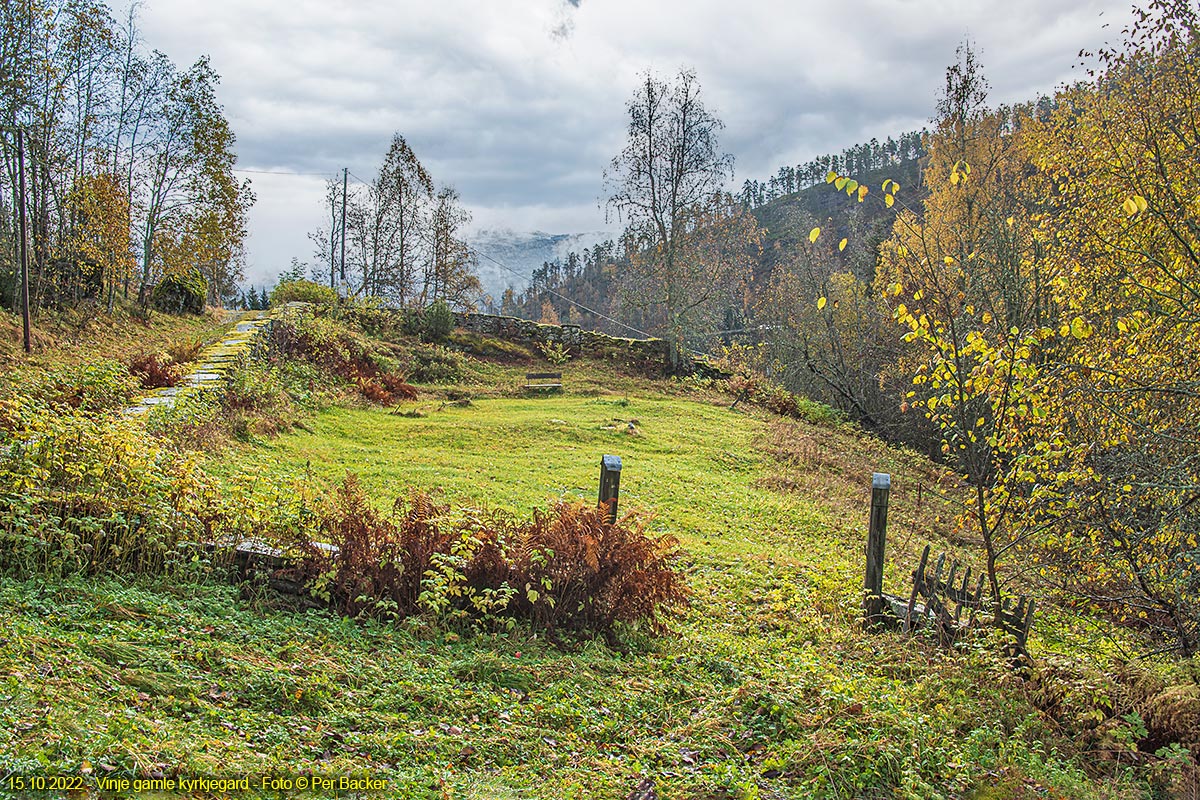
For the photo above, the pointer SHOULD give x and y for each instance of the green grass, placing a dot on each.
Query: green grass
(767, 687)
(522, 453)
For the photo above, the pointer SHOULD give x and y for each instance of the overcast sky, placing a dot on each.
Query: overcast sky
(520, 103)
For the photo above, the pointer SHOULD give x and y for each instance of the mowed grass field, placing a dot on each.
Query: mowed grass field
(766, 686)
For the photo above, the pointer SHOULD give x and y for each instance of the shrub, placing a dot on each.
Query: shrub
(332, 347)
(435, 364)
(186, 351)
(576, 571)
(567, 570)
(80, 494)
(155, 370)
(181, 293)
(554, 352)
(304, 291)
(386, 389)
(437, 322)
(103, 386)
(764, 393)
(380, 323)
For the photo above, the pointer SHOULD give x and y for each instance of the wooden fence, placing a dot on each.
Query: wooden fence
(939, 599)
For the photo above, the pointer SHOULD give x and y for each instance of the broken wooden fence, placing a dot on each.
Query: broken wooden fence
(938, 599)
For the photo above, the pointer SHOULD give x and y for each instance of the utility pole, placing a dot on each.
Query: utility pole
(333, 233)
(345, 172)
(24, 248)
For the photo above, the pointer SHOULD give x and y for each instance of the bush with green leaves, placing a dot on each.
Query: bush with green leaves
(303, 291)
(86, 494)
(104, 385)
(183, 292)
(435, 364)
(437, 322)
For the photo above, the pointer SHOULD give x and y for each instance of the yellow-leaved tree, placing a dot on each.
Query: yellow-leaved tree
(1050, 291)
(966, 279)
(1121, 195)
(99, 242)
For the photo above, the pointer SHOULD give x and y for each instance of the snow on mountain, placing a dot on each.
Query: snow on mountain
(521, 253)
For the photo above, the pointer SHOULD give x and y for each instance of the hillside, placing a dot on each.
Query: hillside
(788, 219)
(766, 686)
(578, 284)
(521, 254)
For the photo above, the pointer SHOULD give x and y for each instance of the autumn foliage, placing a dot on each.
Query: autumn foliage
(337, 350)
(567, 569)
(1047, 290)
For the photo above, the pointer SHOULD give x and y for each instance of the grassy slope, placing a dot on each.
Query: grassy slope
(768, 689)
(79, 337)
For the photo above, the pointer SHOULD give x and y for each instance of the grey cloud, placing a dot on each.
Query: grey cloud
(523, 121)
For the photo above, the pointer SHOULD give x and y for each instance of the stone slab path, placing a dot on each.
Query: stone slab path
(213, 364)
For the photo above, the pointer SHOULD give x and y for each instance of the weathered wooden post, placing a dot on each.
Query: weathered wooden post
(610, 484)
(881, 487)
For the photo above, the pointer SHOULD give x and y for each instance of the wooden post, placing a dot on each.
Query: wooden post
(610, 484)
(881, 487)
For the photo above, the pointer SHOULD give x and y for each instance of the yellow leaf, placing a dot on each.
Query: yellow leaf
(813, 234)
(1009, 221)
(888, 200)
(918, 294)
(820, 302)
(841, 245)
(953, 178)
(895, 188)
(885, 184)
(1140, 202)
(831, 176)
(901, 250)
(850, 187)
(862, 192)
(987, 318)
(1129, 206)
(840, 183)
(948, 259)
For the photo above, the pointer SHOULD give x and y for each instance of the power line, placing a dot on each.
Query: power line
(282, 172)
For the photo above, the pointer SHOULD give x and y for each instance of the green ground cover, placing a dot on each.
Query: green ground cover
(766, 687)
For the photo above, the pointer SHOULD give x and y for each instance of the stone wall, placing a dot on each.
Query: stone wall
(651, 353)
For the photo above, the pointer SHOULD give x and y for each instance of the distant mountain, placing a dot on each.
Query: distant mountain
(522, 253)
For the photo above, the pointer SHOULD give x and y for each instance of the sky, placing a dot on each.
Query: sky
(520, 104)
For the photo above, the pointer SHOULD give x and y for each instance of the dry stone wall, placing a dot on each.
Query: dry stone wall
(653, 353)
